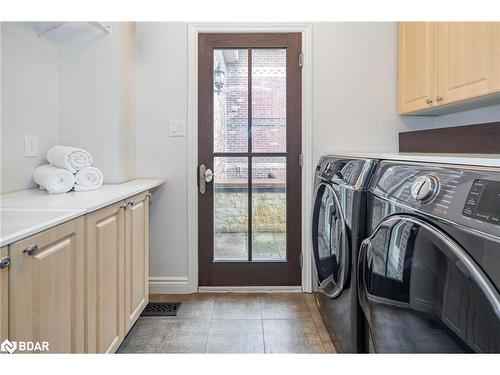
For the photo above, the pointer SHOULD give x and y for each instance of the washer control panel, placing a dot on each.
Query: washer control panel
(483, 201)
(465, 195)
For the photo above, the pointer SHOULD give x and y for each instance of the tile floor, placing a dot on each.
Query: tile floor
(233, 323)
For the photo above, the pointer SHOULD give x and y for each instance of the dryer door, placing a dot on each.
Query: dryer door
(330, 249)
(421, 292)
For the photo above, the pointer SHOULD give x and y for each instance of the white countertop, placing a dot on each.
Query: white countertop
(26, 212)
(483, 160)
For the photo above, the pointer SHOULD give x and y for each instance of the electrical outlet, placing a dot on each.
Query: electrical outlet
(30, 146)
(177, 128)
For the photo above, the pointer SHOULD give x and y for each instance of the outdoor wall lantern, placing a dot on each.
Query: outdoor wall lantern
(219, 76)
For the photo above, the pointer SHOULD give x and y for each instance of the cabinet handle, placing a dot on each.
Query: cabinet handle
(4, 262)
(149, 195)
(130, 203)
(124, 205)
(31, 250)
(429, 101)
(439, 98)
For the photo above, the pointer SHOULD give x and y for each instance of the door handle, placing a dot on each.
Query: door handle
(205, 176)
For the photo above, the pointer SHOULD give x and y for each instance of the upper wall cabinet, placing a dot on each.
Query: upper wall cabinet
(448, 66)
(468, 55)
(417, 65)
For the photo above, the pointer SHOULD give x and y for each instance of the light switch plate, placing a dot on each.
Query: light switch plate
(177, 128)
(30, 146)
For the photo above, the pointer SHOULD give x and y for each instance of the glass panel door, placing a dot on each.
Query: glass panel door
(249, 143)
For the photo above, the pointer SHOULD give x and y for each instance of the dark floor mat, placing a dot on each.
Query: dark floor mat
(162, 309)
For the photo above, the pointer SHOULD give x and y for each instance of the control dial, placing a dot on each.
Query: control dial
(424, 188)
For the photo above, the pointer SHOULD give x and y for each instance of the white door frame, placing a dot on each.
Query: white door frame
(307, 168)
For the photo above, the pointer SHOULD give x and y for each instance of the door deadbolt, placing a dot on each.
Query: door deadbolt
(209, 175)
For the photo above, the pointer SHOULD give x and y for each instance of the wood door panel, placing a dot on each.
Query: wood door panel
(46, 290)
(466, 60)
(105, 279)
(136, 258)
(4, 297)
(248, 271)
(417, 66)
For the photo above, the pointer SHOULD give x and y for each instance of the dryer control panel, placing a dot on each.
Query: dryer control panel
(483, 201)
(353, 173)
(465, 195)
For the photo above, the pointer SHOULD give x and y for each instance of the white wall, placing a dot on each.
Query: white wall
(473, 116)
(354, 89)
(127, 44)
(29, 102)
(95, 109)
(162, 95)
(74, 85)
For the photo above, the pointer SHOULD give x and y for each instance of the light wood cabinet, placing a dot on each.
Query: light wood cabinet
(444, 63)
(81, 285)
(4, 293)
(105, 279)
(466, 60)
(417, 65)
(46, 288)
(136, 257)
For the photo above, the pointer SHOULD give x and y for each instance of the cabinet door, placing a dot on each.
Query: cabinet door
(46, 288)
(4, 294)
(105, 255)
(417, 66)
(467, 60)
(136, 257)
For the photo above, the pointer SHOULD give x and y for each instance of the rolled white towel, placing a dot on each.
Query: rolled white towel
(71, 158)
(89, 178)
(53, 179)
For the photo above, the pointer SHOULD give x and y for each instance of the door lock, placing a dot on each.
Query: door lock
(205, 176)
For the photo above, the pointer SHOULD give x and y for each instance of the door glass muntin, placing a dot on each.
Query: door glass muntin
(253, 109)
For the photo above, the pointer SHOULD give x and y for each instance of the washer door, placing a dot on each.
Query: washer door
(330, 250)
(421, 292)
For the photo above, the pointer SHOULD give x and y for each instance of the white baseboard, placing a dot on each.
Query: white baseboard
(180, 285)
(250, 289)
(168, 285)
